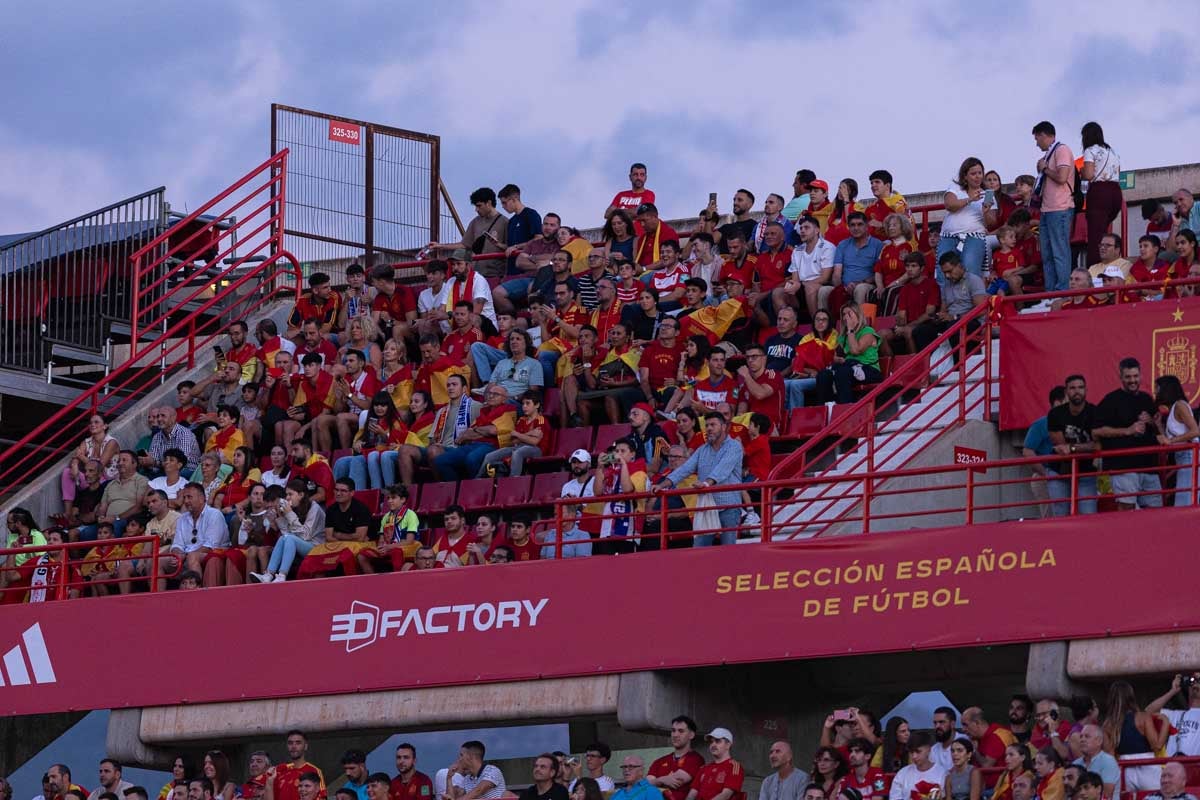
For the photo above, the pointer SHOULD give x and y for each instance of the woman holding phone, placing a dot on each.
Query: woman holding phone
(970, 209)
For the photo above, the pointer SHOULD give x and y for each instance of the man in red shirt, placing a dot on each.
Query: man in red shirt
(739, 262)
(456, 347)
(990, 741)
(660, 362)
(283, 780)
(761, 389)
(1049, 728)
(609, 312)
(394, 309)
(242, 352)
(409, 784)
(668, 276)
(313, 342)
(320, 302)
(918, 301)
(255, 786)
(862, 776)
(772, 265)
(450, 550)
(722, 779)
(654, 233)
(630, 199)
(314, 468)
(675, 772)
(717, 388)
(522, 545)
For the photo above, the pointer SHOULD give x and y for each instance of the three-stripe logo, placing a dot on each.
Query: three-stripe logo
(15, 669)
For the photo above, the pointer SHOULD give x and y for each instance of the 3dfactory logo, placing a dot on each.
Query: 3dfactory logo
(367, 623)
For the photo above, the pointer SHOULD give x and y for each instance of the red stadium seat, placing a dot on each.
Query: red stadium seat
(551, 403)
(475, 494)
(806, 421)
(512, 491)
(340, 453)
(566, 441)
(414, 494)
(607, 434)
(547, 487)
(369, 498)
(435, 497)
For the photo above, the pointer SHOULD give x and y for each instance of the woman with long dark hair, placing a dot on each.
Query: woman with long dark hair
(1131, 733)
(216, 769)
(969, 212)
(301, 525)
(1005, 205)
(829, 767)
(1017, 762)
(643, 317)
(1102, 171)
(895, 744)
(693, 367)
(845, 203)
(618, 238)
(376, 447)
(1179, 425)
(1048, 765)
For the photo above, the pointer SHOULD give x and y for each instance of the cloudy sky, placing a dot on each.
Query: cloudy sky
(560, 97)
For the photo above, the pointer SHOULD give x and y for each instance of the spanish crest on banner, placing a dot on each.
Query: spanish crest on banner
(1175, 353)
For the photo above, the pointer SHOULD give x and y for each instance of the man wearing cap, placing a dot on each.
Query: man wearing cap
(722, 778)
(633, 772)
(786, 782)
(582, 484)
(801, 199)
(467, 284)
(654, 233)
(650, 440)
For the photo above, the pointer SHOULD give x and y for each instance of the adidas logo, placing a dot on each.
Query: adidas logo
(15, 670)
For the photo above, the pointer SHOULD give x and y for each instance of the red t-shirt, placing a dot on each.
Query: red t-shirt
(1003, 263)
(1140, 273)
(914, 298)
(772, 404)
(420, 787)
(873, 784)
(186, 416)
(1031, 252)
(690, 762)
(319, 473)
(397, 305)
(756, 457)
(773, 268)
(710, 394)
(306, 308)
(529, 424)
(744, 272)
(530, 551)
(890, 265)
(644, 250)
(661, 362)
(324, 349)
(603, 320)
(878, 211)
(287, 780)
(630, 200)
(992, 745)
(457, 345)
(1038, 739)
(715, 778)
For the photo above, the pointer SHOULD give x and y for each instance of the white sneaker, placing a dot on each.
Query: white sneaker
(262, 577)
(280, 577)
(858, 373)
(751, 518)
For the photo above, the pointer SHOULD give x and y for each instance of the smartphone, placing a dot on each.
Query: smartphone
(218, 351)
(989, 197)
(842, 714)
(712, 198)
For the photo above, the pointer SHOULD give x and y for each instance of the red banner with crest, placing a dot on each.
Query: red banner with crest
(1039, 350)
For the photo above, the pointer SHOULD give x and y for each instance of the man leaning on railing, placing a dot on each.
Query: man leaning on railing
(718, 462)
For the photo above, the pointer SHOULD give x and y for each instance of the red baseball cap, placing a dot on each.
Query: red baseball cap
(644, 407)
(818, 184)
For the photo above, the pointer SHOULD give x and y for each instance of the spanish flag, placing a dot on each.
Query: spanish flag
(580, 249)
(713, 322)
(432, 377)
(418, 432)
(315, 396)
(227, 441)
(630, 358)
(328, 556)
(400, 386)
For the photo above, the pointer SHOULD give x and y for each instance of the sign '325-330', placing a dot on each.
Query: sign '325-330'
(345, 132)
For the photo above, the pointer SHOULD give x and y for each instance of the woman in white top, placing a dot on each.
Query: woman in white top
(969, 211)
(301, 524)
(1179, 426)
(1102, 173)
(98, 446)
(281, 470)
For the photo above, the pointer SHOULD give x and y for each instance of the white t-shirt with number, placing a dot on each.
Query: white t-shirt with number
(1187, 722)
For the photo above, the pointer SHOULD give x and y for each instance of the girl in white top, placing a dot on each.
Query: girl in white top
(1180, 426)
(1100, 181)
(969, 212)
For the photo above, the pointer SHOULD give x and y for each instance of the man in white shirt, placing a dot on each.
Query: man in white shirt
(812, 268)
(921, 779)
(470, 779)
(467, 284)
(432, 315)
(944, 734)
(199, 530)
(595, 757)
(1186, 721)
(110, 780)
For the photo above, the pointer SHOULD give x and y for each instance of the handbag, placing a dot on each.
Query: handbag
(481, 240)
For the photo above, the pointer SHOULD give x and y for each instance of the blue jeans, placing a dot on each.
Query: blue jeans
(462, 462)
(548, 359)
(285, 551)
(1059, 490)
(1054, 238)
(974, 253)
(796, 387)
(1183, 478)
(486, 358)
(518, 454)
(374, 471)
(517, 288)
(730, 517)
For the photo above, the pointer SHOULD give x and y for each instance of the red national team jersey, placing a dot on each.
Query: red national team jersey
(444, 550)
(287, 780)
(916, 297)
(397, 305)
(756, 457)
(530, 551)
(890, 265)
(873, 785)
(307, 308)
(772, 404)
(660, 362)
(527, 425)
(690, 762)
(420, 787)
(715, 778)
(1003, 263)
(457, 344)
(773, 268)
(710, 394)
(744, 272)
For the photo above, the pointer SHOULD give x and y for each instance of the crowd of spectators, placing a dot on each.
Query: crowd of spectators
(1042, 751)
(702, 343)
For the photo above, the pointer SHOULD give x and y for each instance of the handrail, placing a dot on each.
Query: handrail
(83, 217)
(64, 584)
(149, 361)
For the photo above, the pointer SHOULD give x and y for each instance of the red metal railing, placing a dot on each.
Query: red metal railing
(180, 306)
(65, 570)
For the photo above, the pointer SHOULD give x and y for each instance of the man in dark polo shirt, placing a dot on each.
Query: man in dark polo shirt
(544, 787)
(346, 520)
(1126, 418)
(1072, 428)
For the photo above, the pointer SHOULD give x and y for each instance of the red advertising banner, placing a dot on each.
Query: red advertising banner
(954, 587)
(1039, 350)
(346, 132)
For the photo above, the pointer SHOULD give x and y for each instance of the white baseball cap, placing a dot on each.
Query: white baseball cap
(582, 455)
(719, 733)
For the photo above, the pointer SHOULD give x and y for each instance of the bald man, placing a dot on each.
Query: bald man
(1172, 783)
(633, 773)
(786, 782)
(990, 739)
